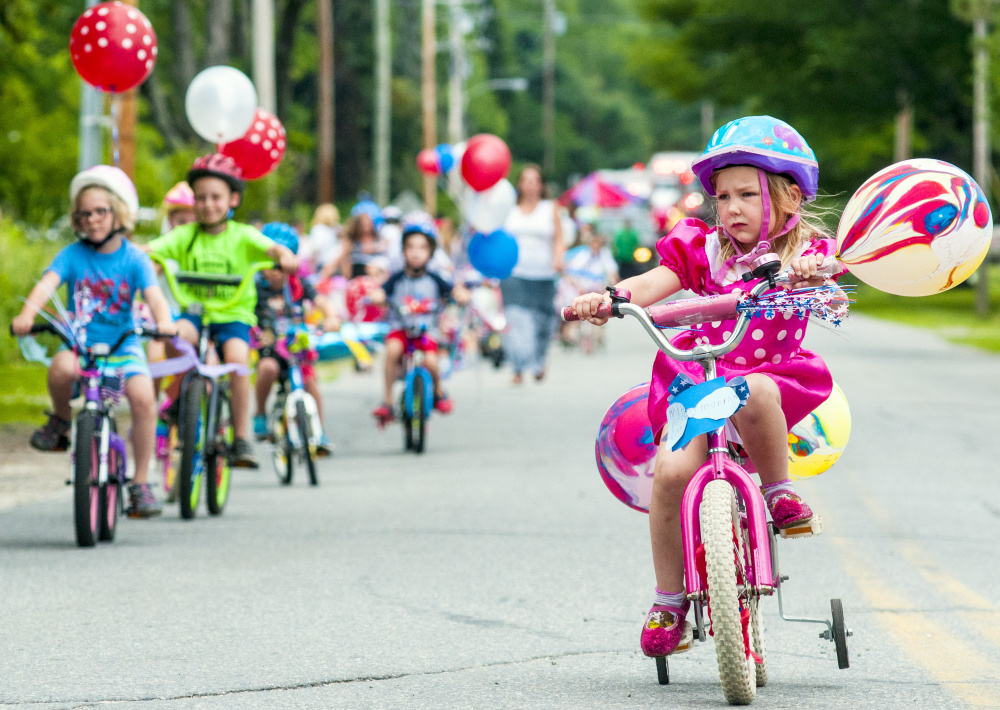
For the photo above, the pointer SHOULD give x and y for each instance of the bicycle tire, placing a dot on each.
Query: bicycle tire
(407, 422)
(86, 493)
(111, 494)
(169, 465)
(419, 419)
(303, 422)
(190, 476)
(736, 670)
(218, 473)
(840, 634)
(756, 624)
(282, 456)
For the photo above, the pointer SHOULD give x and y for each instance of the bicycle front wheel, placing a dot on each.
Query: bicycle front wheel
(726, 585)
(86, 491)
(303, 421)
(282, 455)
(111, 492)
(219, 444)
(418, 420)
(192, 465)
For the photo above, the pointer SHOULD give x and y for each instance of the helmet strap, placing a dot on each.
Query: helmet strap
(115, 231)
(763, 246)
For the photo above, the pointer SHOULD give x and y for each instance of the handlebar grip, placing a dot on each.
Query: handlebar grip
(603, 311)
(35, 329)
(695, 310)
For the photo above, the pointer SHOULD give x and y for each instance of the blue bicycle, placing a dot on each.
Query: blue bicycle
(417, 400)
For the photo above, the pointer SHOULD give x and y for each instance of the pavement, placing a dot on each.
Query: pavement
(496, 571)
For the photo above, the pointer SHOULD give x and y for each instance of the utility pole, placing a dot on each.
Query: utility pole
(263, 53)
(456, 77)
(126, 123)
(429, 95)
(91, 112)
(383, 102)
(327, 113)
(549, 88)
(981, 134)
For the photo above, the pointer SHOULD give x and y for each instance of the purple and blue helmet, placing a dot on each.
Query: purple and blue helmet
(762, 142)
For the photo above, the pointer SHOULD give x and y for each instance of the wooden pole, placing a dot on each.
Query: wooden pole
(981, 137)
(327, 114)
(383, 101)
(126, 123)
(429, 93)
(549, 88)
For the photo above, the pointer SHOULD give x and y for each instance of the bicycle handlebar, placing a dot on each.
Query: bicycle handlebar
(137, 330)
(242, 283)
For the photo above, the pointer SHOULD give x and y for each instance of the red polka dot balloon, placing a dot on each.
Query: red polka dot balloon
(113, 47)
(261, 149)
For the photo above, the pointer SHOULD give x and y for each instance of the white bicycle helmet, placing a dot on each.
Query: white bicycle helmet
(113, 179)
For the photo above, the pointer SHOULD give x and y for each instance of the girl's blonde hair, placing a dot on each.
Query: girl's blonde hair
(122, 213)
(327, 214)
(784, 203)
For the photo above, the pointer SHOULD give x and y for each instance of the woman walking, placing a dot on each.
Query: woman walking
(529, 293)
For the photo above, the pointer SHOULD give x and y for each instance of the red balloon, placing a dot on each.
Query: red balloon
(113, 47)
(486, 161)
(261, 149)
(427, 162)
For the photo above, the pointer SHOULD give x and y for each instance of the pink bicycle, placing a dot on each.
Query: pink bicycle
(730, 548)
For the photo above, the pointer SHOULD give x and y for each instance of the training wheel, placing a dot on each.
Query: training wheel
(840, 633)
(662, 670)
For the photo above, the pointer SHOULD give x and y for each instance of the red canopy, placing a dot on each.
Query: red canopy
(594, 192)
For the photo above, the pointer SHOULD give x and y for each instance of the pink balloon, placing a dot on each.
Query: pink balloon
(486, 161)
(113, 47)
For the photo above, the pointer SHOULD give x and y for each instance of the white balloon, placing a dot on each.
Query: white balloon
(221, 103)
(457, 151)
(486, 211)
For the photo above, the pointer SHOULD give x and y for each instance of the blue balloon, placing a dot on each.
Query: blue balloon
(446, 160)
(493, 255)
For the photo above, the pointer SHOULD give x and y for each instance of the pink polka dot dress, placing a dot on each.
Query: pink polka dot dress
(772, 347)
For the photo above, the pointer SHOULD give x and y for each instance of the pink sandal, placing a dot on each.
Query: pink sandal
(665, 631)
(788, 510)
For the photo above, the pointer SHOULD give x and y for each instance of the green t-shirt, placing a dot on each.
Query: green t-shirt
(230, 252)
(625, 244)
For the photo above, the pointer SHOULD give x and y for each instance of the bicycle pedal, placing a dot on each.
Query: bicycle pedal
(687, 640)
(808, 529)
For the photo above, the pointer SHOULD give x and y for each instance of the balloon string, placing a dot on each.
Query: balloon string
(114, 132)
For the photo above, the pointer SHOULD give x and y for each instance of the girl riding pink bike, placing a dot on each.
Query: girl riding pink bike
(761, 172)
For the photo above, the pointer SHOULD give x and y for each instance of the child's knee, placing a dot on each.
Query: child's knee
(63, 368)
(268, 367)
(141, 396)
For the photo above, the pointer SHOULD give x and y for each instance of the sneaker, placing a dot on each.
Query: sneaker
(324, 448)
(788, 510)
(52, 436)
(242, 456)
(260, 427)
(384, 414)
(443, 403)
(666, 631)
(142, 503)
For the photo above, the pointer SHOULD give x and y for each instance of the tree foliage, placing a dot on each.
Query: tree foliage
(840, 71)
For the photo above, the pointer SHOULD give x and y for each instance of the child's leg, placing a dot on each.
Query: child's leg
(268, 370)
(187, 330)
(671, 473)
(761, 425)
(62, 375)
(393, 358)
(311, 385)
(431, 363)
(142, 403)
(236, 351)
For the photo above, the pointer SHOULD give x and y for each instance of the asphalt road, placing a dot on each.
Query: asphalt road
(496, 570)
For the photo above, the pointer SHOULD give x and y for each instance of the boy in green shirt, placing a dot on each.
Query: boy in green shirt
(214, 244)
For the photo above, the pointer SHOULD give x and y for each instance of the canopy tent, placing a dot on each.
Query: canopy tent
(594, 192)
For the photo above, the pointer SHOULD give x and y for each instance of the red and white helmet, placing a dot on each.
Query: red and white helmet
(112, 179)
(219, 166)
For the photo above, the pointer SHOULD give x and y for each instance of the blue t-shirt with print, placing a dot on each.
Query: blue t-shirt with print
(100, 288)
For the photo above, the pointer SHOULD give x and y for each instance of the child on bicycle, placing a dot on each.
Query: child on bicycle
(761, 172)
(215, 244)
(273, 305)
(415, 296)
(104, 273)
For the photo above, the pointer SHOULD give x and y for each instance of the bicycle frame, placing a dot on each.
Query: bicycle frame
(296, 392)
(413, 367)
(93, 401)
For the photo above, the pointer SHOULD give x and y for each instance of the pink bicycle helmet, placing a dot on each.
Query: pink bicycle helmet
(179, 197)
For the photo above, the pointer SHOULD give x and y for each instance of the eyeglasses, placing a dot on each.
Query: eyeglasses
(84, 215)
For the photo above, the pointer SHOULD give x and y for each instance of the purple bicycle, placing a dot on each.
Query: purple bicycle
(730, 548)
(99, 455)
